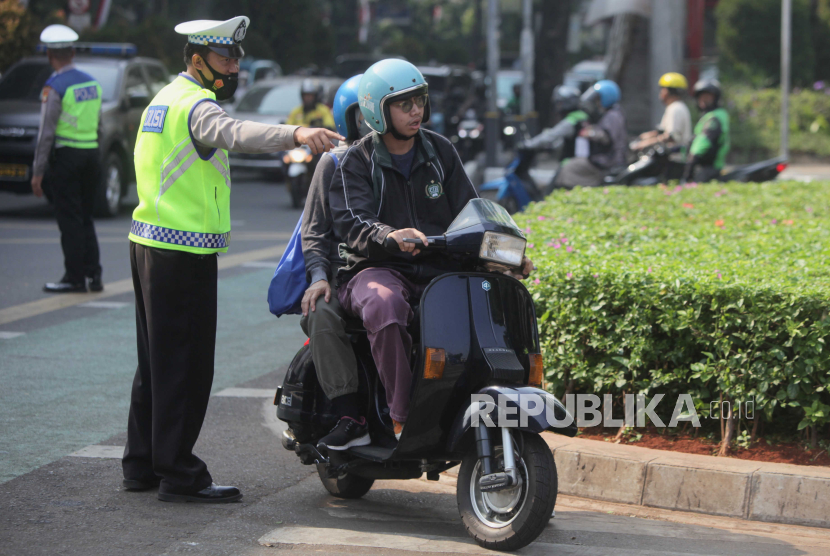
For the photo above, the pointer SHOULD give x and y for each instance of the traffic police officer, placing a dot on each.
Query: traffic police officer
(182, 221)
(70, 120)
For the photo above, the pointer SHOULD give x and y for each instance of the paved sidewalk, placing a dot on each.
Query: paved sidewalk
(758, 491)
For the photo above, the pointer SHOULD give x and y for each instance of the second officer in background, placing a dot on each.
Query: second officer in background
(182, 221)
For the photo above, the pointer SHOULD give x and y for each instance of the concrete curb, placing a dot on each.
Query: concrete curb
(758, 491)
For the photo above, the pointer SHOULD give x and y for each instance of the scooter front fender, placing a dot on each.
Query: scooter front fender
(521, 407)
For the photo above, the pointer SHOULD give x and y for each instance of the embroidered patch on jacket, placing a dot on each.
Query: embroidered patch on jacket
(434, 190)
(154, 122)
(86, 93)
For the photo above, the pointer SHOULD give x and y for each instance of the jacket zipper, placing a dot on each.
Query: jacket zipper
(410, 202)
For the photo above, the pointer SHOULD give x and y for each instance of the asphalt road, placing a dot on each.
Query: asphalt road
(66, 366)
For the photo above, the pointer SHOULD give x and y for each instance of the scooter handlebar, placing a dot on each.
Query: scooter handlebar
(432, 243)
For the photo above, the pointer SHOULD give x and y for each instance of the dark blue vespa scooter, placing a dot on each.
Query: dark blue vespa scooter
(476, 395)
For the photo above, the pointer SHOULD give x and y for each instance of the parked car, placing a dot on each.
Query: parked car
(128, 82)
(253, 71)
(347, 65)
(270, 102)
(449, 88)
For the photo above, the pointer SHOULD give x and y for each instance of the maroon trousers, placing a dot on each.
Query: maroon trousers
(380, 297)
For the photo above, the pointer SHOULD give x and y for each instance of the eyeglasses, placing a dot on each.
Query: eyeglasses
(406, 105)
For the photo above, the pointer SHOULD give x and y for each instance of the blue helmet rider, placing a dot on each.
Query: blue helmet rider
(388, 81)
(345, 109)
(599, 98)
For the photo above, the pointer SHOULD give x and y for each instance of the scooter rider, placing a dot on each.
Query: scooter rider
(323, 320)
(675, 127)
(564, 133)
(601, 146)
(399, 182)
(707, 155)
(311, 112)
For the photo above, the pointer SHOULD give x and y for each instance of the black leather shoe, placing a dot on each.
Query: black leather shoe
(138, 484)
(64, 287)
(95, 283)
(214, 494)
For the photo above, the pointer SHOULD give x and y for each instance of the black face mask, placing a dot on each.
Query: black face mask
(223, 86)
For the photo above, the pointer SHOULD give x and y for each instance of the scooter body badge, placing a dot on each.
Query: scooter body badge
(286, 400)
(485, 285)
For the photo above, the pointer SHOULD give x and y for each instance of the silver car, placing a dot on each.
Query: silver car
(270, 102)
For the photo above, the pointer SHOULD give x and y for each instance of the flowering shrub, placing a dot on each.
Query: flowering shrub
(705, 289)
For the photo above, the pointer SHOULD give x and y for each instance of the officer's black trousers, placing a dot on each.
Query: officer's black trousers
(175, 303)
(73, 179)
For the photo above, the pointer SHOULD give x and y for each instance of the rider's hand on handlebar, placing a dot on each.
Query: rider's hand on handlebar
(317, 138)
(314, 291)
(527, 268)
(408, 233)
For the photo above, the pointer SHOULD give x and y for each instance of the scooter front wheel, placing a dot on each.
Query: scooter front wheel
(514, 517)
(346, 485)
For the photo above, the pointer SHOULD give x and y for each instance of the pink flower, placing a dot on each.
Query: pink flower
(562, 234)
(537, 281)
(644, 228)
(531, 245)
(557, 246)
(596, 275)
(569, 249)
(570, 220)
(540, 218)
(809, 209)
(527, 230)
(564, 240)
(719, 276)
(649, 270)
(678, 188)
(605, 191)
(569, 275)
(774, 221)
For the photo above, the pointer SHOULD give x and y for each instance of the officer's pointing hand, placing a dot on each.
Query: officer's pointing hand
(317, 138)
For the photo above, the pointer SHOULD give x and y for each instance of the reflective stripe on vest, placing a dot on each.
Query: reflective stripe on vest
(184, 194)
(80, 110)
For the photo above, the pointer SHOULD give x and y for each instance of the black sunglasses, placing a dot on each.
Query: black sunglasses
(406, 105)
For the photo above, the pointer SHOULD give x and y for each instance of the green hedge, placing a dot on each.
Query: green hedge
(756, 116)
(704, 289)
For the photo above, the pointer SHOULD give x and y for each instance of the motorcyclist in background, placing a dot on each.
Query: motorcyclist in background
(707, 155)
(602, 144)
(312, 112)
(564, 133)
(675, 127)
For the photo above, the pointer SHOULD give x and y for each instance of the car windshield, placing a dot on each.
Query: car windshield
(478, 211)
(271, 101)
(26, 81)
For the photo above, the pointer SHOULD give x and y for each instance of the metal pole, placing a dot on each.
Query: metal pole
(491, 120)
(786, 45)
(526, 47)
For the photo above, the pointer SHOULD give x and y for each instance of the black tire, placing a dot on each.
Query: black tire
(509, 203)
(110, 187)
(346, 485)
(295, 187)
(535, 504)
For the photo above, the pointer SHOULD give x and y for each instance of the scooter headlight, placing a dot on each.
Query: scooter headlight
(502, 249)
(297, 155)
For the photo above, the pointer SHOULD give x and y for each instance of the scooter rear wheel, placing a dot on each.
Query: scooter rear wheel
(346, 485)
(512, 518)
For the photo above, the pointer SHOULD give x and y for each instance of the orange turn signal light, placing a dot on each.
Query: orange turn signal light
(537, 370)
(434, 364)
(286, 159)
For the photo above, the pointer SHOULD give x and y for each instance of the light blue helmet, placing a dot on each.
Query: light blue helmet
(345, 104)
(609, 92)
(386, 81)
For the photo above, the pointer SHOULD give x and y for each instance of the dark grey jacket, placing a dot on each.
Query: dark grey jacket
(610, 153)
(320, 243)
(370, 198)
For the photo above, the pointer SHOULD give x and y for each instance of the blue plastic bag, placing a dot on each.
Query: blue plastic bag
(289, 282)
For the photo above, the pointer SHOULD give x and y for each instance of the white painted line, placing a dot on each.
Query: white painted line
(260, 264)
(98, 451)
(105, 304)
(427, 543)
(10, 335)
(247, 393)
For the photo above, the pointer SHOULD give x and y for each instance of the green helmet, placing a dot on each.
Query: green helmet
(387, 81)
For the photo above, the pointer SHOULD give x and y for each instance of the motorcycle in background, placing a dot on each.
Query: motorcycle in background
(299, 169)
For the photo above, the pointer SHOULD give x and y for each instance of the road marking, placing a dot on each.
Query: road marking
(324, 536)
(99, 451)
(261, 264)
(105, 304)
(62, 301)
(247, 393)
(10, 335)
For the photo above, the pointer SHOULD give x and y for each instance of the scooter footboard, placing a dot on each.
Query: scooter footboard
(521, 407)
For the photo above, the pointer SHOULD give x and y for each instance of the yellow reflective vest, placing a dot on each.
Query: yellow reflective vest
(184, 197)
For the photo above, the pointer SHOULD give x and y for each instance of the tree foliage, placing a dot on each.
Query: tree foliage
(16, 33)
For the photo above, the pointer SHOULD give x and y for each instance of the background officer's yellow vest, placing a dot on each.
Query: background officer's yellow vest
(78, 123)
(184, 198)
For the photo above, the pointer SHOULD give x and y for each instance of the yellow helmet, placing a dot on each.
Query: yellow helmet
(673, 80)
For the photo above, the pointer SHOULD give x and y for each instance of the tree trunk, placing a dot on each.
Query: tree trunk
(731, 422)
(753, 436)
(551, 55)
(814, 436)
